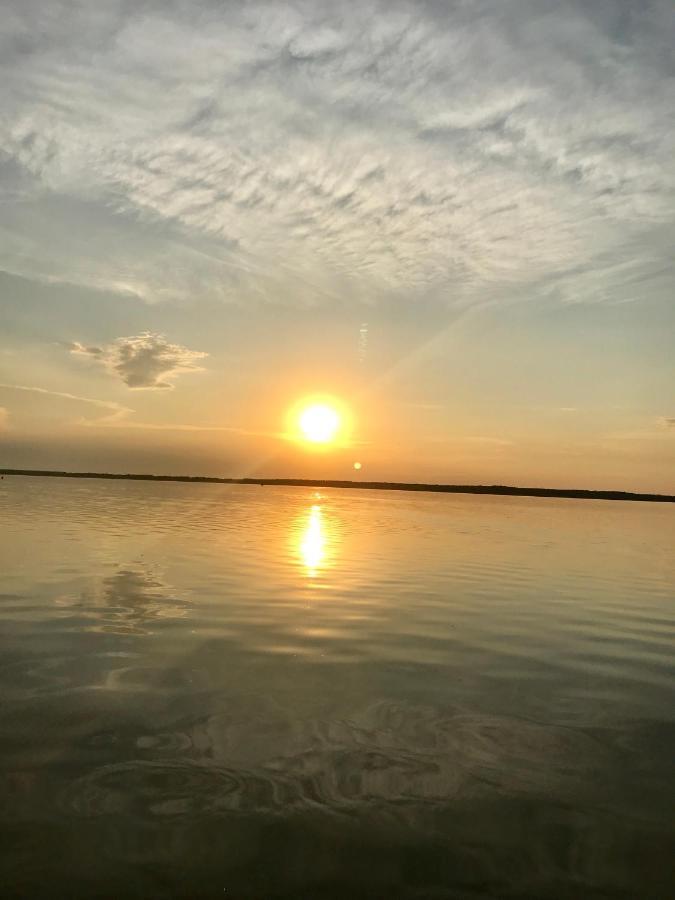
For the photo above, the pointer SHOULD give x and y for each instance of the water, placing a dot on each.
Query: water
(244, 692)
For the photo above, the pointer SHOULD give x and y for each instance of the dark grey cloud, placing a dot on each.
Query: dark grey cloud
(145, 360)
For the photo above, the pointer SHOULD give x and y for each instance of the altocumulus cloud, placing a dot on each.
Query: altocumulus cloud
(322, 148)
(144, 360)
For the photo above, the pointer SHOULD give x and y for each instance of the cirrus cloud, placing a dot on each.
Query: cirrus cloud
(314, 150)
(144, 361)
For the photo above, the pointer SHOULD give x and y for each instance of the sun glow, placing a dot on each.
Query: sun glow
(319, 423)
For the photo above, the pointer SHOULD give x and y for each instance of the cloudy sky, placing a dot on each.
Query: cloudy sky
(457, 217)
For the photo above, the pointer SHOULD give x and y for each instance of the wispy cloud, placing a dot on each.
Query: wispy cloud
(113, 412)
(662, 428)
(427, 407)
(338, 148)
(471, 439)
(117, 416)
(145, 360)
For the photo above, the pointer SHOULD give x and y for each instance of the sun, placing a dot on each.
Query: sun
(319, 423)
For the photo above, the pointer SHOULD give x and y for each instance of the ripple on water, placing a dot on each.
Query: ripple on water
(146, 789)
(165, 743)
(394, 755)
(491, 674)
(156, 678)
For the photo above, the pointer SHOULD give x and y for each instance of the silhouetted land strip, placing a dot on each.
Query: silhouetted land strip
(499, 489)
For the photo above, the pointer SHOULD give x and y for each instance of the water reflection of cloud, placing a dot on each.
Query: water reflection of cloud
(133, 597)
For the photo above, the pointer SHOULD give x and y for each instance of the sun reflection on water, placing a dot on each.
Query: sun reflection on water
(313, 541)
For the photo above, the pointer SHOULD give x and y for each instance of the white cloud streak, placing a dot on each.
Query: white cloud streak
(359, 149)
(114, 411)
(117, 416)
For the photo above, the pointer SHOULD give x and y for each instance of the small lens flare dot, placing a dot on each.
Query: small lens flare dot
(357, 465)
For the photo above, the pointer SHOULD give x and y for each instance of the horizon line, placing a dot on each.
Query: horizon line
(494, 489)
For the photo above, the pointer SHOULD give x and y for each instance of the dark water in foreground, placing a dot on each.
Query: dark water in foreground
(240, 692)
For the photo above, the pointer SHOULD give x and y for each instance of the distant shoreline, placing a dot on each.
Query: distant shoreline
(496, 489)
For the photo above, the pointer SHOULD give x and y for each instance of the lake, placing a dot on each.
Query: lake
(245, 692)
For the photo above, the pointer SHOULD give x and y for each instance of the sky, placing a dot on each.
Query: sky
(457, 218)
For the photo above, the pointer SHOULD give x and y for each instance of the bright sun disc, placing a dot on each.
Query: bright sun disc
(319, 423)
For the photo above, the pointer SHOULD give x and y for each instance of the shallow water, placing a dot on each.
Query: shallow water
(249, 692)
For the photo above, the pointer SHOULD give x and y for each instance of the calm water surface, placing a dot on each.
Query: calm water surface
(244, 692)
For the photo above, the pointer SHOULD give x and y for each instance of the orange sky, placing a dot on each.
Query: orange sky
(275, 202)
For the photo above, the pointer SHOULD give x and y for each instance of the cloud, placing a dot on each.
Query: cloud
(145, 360)
(114, 412)
(317, 150)
(471, 439)
(427, 407)
(117, 416)
(658, 430)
